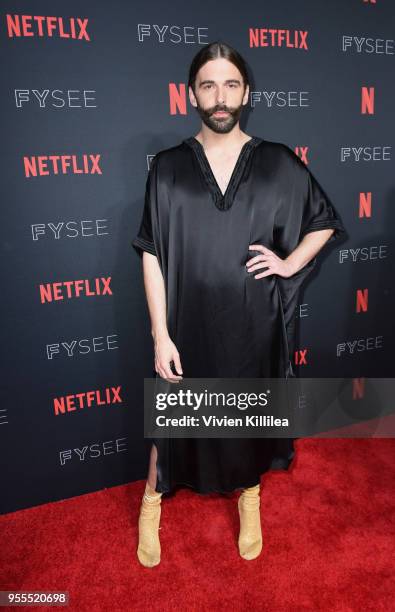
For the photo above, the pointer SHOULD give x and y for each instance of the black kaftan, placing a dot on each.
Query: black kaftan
(223, 321)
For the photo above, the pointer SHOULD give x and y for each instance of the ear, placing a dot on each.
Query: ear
(192, 97)
(246, 95)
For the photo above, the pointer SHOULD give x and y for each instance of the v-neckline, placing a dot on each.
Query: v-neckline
(223, 201)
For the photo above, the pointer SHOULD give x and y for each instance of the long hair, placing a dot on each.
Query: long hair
(214, 51)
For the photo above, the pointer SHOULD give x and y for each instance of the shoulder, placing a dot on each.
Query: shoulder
(281, 155)
(166, 159)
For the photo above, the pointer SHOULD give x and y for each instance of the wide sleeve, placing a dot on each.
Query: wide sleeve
(318, 212)
(144, 240)
(304, 208)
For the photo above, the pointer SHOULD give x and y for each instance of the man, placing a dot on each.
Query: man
(231, 227)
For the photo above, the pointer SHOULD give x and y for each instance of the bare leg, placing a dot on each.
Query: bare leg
(152, 467)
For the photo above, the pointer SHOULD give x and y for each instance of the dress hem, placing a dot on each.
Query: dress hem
(277, 464)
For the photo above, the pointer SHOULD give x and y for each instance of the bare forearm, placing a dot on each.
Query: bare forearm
(308, 248)
(156, 295)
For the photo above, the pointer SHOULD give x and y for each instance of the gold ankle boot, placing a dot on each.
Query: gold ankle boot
(148, 551)
(250, 536)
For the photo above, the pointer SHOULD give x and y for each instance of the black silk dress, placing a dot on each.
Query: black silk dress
(223, 321)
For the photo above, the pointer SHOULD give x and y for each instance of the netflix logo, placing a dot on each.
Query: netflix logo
(270, 37)
(87, 399)
(45, 165)
(52, 292)
(50, 27)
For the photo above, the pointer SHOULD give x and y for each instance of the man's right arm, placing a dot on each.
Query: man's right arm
(165, 349)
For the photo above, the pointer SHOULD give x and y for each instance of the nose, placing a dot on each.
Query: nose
(220, 95)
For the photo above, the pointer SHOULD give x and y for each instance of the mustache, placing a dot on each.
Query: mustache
(218, 108)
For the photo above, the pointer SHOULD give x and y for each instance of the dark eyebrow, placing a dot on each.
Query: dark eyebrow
(212, 82)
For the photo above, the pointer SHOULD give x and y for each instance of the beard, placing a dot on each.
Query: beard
(220, 125)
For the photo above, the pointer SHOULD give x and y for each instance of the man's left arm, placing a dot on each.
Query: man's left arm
(304, 222)
(307, 249)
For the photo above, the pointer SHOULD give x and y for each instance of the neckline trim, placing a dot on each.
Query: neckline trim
(223, 201)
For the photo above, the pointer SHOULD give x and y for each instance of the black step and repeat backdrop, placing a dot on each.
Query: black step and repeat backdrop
(90, 91)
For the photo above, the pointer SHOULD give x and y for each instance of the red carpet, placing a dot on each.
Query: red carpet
(328, 527)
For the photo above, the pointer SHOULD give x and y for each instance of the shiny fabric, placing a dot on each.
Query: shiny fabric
(223, 321)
